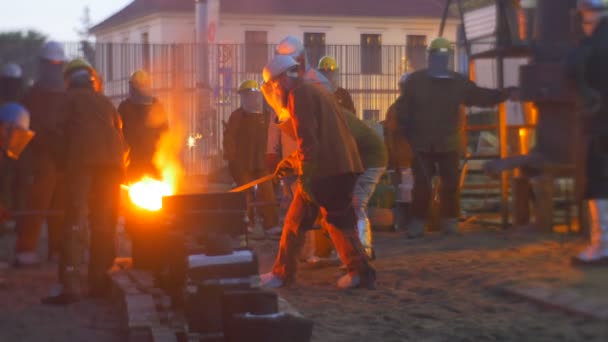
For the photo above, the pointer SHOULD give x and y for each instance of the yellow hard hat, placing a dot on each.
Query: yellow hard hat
(251, 85)
(440, 45)
(140, 79)
(328, 63)
(76, 64)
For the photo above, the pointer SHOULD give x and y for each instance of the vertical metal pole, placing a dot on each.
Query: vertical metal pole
(464, 29)
(444, 18)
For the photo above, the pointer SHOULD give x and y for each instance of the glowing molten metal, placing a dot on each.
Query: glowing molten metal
(148, 193)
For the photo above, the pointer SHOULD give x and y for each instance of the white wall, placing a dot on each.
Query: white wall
(339, 31)
(179, 28)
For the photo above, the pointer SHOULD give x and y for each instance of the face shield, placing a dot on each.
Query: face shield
(439, 64)
(276, 98)
(333, 76)
(252, 101)
(15, 139)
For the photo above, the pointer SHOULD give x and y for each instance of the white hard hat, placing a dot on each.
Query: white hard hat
(11, 70)
(278, 65)
(290, 46)
(53, 51)
(592, 5)
(404, 77)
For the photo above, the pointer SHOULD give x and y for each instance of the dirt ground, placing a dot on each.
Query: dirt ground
(445, 289)
(24, 319)
(434, 289)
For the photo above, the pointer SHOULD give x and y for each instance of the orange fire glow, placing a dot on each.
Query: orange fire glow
(149, 192)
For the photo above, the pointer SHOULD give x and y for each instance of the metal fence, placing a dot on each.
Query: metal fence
(369, 74)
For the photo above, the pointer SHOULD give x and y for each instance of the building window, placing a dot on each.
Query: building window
(256, 50)
(145, 50)
(371, 54)
(315, 46)
(416, 51)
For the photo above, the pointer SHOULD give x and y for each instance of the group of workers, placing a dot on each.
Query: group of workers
(77, 149)
(331, 161)
(80, 149)
(338, 160)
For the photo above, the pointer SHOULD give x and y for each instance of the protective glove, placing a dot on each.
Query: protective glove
(285, 168)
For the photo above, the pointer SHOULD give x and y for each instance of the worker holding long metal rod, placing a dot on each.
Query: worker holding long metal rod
(328, 164)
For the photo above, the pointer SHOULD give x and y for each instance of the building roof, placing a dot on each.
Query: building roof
(342, 8)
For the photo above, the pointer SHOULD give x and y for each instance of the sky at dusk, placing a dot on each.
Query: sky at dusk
(58, 19)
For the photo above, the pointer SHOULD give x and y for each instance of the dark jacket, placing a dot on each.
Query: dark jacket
(345, 100)
(47, 112)
(399, 150)
(324, 140)
(246, 138)
(589, 68)
(370, 145)
(143, 126)
(430, 110)
(591, 71)
(92, 132)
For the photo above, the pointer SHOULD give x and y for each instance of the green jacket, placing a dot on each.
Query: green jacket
(430, 112)
(370, 145)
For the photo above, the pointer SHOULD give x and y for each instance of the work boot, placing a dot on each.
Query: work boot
(271, 281)
(57, 296)
(415, 229)
(60, 299)
(364, 231)
(449, 226)
(597, 252)
(27, 259)
(353, 280)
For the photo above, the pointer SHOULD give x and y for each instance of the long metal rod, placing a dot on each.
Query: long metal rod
(446, 10)
(253, 183)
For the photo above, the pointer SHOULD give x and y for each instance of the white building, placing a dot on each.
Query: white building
(373, 41)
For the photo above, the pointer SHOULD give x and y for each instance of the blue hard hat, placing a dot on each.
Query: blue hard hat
(15, 114)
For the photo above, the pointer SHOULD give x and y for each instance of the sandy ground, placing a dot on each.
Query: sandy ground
(444, 289)
(434, 289)
(23, 318)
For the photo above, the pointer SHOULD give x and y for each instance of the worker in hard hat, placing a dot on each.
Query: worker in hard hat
(245, 140)
(11, 83)
(328, 165)
(14, 137)
(144, 123)
(590, 73)
(46, 189)
(94, 161)
(374, 157)
(399, 159)
(430, 115)
(328, 66)
(15, 133)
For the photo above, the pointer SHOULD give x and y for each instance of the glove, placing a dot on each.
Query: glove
(285, 168)
(272, 160)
